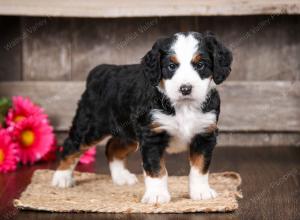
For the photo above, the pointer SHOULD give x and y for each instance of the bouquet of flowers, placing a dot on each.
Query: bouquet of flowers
(26, 135)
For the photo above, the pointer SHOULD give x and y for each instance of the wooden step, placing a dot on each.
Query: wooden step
(137, 8)
(272, 106)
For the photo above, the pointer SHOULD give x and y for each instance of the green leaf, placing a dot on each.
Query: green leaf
(5, 104)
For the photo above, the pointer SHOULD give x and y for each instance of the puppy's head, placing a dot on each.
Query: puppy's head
(186, 65)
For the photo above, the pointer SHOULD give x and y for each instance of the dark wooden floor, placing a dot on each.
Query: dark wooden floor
(271, 185)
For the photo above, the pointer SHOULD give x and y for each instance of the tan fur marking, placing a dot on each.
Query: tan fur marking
(173, 58)
(197, 161)
(118, 148)
(162, 172)
(162, 84)
(196, 58)
(212, 128)
(72, 159)
(155, 127)
(69, 161)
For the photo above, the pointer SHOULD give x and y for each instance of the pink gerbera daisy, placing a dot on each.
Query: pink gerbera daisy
(34, 138)
(89, 156)
(9, 154)
(23, 108)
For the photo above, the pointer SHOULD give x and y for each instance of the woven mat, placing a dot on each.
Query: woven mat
(96, 193)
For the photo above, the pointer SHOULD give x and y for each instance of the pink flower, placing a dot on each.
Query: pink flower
(23, 108)
(89, 156)
(34, 138)
(9, 153)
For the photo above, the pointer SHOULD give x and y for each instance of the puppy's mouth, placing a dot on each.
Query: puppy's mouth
(185, 99)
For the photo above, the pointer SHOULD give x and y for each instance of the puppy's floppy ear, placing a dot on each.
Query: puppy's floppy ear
(151, 64)
(222, 57)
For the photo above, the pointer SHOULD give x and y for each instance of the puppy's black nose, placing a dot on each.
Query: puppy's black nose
(186, 89)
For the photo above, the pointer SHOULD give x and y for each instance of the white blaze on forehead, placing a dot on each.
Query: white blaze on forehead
(185, 48)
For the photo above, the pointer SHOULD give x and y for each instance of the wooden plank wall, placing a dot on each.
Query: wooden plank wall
(264, 48)
(266, 52)
(10, 49)
(47, 49)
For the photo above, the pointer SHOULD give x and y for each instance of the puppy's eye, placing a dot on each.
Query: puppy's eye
(200, 66)
(172, 67)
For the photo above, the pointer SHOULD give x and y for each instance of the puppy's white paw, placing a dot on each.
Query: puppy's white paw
(202, 192)
(156, 197)
(124, 177)
(120, 175)
(199, 188)
(156, 190)
(63, 179)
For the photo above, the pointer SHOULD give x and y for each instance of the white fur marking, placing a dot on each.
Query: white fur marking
(184, 125)
(156, 190)
(63, 178)
(185, 47)
(120, 175)
(189, 119)
(199, 188)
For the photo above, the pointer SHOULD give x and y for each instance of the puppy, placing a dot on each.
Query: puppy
(169, 102)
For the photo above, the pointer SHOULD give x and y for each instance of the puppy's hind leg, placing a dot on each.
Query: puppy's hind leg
(117, 150)
(83, 134)
(63, 176)
(72, 149)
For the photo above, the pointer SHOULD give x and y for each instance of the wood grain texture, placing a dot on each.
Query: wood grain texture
(264, 47)
(10, 49)
(260, 106)
(271, 178)
(259, 139)
(46, 49)
(136, 8)
(246, 106)
(118, 41)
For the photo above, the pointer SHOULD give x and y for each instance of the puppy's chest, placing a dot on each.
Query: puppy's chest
(183, 126)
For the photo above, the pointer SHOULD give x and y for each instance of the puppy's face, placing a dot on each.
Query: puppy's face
(186, 70)
(188, 65)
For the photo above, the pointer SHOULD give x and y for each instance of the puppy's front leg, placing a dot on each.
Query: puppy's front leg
(156, 176)
(200, 156)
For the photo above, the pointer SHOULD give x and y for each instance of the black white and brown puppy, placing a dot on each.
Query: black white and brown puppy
(169, 102)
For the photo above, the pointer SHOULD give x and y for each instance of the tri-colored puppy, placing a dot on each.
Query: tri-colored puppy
(169, 102)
